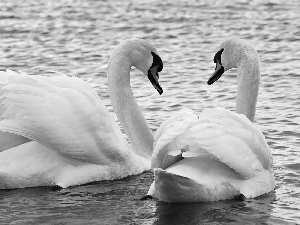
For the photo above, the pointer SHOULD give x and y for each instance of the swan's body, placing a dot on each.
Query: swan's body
(220, 154)
(56, 130)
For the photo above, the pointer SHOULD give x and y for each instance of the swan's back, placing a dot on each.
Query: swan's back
(220, 136)
(63, 113)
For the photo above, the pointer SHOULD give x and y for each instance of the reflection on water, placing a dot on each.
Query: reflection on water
(222, 211)
(115, 202)
(77, 36)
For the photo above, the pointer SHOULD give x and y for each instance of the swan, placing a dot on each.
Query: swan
(55, 131)
(220, 154)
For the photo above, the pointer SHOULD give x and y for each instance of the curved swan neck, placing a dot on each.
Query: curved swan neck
(125, 106)
(248, 78)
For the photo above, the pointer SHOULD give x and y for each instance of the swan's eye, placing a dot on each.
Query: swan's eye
(157, 62)
(217, 57)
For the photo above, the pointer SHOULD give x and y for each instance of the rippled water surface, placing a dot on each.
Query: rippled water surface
(77, 36)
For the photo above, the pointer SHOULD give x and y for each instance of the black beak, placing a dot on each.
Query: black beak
(217, 74)
(219, 68)
(153, 75)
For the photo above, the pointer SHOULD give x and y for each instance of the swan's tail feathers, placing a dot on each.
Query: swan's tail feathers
(218, 134)
(63, 113)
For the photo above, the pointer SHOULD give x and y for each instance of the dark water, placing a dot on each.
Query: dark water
(77, 36)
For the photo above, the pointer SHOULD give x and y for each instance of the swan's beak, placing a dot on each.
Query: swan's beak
(153, 77)
(217, 74)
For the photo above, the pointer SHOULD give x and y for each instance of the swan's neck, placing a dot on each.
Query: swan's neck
(126, 108)
(248, 79)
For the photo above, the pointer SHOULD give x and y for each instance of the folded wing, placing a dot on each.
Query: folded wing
(217, 134)
(61, 112)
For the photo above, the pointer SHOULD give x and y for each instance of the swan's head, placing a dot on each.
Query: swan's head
(143, 56)
(231, 54)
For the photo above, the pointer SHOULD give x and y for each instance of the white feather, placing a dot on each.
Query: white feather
(62, 117)
(223, 136)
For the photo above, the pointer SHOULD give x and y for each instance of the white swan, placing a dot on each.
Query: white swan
(56, 130)
(222, 154)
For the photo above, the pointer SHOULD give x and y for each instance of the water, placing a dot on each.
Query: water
(77, 36)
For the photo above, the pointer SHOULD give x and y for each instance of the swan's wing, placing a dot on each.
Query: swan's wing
(220, 134)
(166, 149)
(61, 112)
